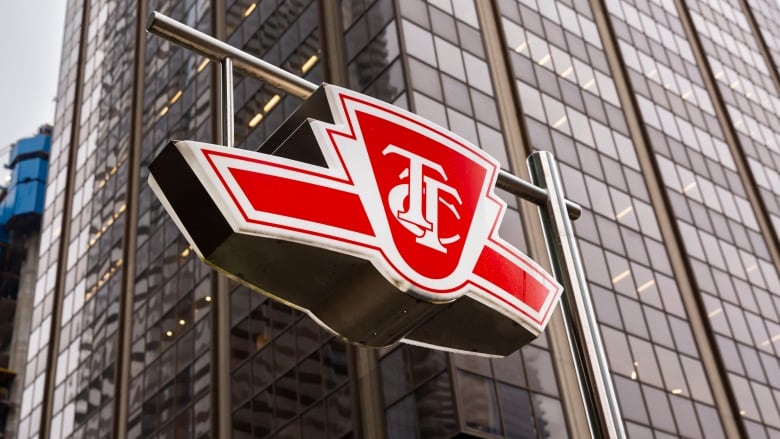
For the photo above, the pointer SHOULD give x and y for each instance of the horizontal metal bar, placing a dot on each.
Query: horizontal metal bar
(531, 192)
(217, 50)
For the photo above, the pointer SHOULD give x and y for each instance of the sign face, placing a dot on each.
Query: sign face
(379, 224)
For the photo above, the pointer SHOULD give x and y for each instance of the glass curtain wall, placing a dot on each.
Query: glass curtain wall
(51, 234)
(169, 376)
(744, 80)
(729, 257)
(571, 107)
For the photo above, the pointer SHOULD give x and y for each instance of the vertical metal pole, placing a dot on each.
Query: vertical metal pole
(228, 129)
(220, 375)
(584, 337)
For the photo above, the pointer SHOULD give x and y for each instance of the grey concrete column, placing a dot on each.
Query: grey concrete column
(62, 252)
(20, 338)
(126, 299)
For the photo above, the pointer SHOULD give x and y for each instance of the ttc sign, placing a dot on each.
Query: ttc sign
(379, 224)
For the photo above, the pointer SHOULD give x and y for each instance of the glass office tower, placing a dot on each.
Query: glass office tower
(662, 113)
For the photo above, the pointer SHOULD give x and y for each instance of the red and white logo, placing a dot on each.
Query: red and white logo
(414, 199)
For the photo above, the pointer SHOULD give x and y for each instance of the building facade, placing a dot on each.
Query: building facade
(21, 207)
(663, 115)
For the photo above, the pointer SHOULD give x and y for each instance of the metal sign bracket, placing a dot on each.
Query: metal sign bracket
(546, 192)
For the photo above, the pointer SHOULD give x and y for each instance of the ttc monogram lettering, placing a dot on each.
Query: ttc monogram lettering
(422, 195)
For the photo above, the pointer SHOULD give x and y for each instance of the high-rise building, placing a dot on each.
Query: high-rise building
(662, 113)
(21, 207)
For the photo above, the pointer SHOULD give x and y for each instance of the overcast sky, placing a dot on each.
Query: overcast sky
(30, 44)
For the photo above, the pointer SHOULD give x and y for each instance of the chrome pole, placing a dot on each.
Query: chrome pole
(228, 113)
(579, 317)
(220, 288)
